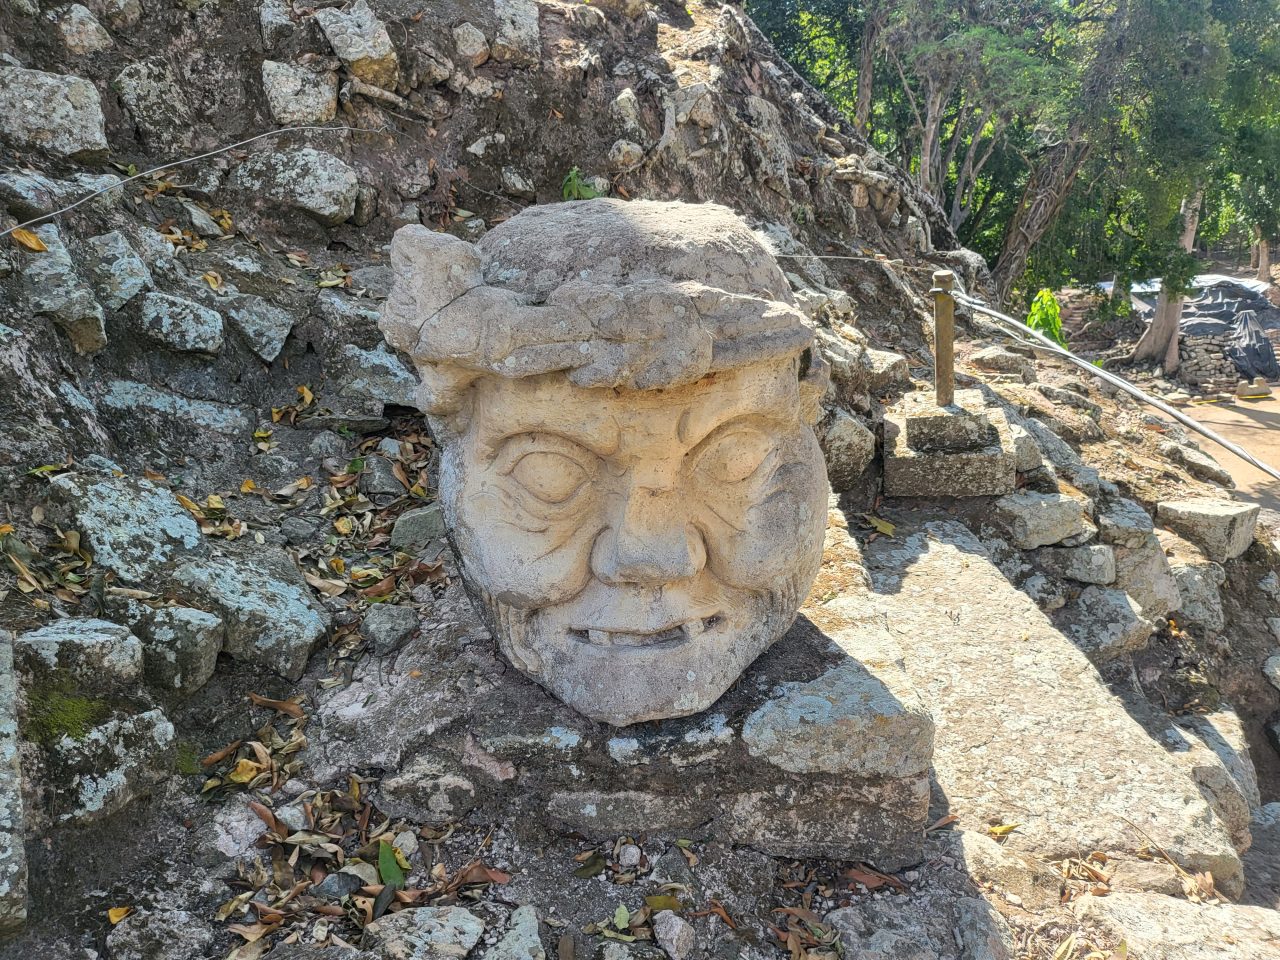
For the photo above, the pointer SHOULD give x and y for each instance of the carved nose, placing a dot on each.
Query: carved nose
(652, 543)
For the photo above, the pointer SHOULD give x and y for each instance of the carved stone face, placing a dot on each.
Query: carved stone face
(637, 550)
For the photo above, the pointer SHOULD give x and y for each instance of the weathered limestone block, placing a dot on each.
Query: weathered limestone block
(133, 526)
(47, 111)
(298, 96)
(361, 41)
(422, 933)
(1198, 463)
(849, 448)
(1123, 522)
(180, 324)
(519, 37)
(81, 32)
(108, 768)
(54, 289)
(148, 405)
(270, 615)
(180, 648)
(1143, 573)
(1199, 592)
(1223, 529)
(1105, 624)
(1003, 360)
(1032, 520)
(950, 608)
(1090, 564)
(266, 327)
(306, 180)
(13, 860)
(1262, 861)
(1156, 927)
(965, 450)
(91, 653)
(617, 357)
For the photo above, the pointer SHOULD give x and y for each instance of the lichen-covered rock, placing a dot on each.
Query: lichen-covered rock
(93, 653)
(1038, 519)
(361, 41)
(306, 180)
(1088, 564)
(376, 374)
(109, 767)
(999, 359)
(298, 96)
(53, 289)
(134, 527)
(1157, 927)
(264, 326)
(1198, 463)
(521, 941)
(269, 614)
(161, 935)
(426, 933)
(13, 860)
(675, 935)
(50, 112)
(148, 405)
(415, 529)
(1105, 623)
(118, 273)
(470, 44)
(152, 93)
(929, 928)
(81, 32)
(180, 324)
(1223, 529)
(180, 648)
(387, 626)
(275, 17)
(1123, 522)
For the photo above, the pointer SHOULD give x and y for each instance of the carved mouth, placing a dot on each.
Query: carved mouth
(667, 637)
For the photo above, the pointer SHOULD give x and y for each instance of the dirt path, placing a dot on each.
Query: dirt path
(1254, 425)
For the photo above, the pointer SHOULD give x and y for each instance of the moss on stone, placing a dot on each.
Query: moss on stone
(187, 760)
(55, 709)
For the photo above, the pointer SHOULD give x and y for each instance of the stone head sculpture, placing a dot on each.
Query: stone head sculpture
(624, 394)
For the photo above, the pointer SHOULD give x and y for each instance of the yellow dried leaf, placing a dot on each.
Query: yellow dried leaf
(337, 565)
(1003, 829)
(214, 502)
(262, 434)
(881, 525)
(6, 529)
(248, 486)
(29, 240)
(245, 771)
(307, 396)
(116, 914)
(1066, 949)
(344, 526)
(190, 506)
(213, 278)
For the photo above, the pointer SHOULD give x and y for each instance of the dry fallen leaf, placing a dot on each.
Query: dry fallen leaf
(116, 914)
(29, 240)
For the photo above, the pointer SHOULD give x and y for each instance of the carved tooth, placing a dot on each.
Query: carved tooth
(599, 636)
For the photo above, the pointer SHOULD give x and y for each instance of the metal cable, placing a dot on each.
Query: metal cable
(1021, 332)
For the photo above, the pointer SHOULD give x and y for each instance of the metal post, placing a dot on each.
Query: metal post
(944, 332)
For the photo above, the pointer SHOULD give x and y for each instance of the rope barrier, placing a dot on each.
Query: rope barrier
(1021, 332)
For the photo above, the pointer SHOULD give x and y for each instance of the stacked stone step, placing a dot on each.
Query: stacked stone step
(1204, 363)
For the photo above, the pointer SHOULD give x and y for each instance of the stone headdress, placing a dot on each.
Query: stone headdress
(634, 295)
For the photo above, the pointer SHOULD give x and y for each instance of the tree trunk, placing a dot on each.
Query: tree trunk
(1160, 341)
(1253, 248)
(1264, 255)
(866, 70)
(1046, 191)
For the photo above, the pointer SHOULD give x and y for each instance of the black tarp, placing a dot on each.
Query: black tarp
(1233, 311)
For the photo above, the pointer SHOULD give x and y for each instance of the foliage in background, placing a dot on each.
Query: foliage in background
(1065, 139)
(1045, 317)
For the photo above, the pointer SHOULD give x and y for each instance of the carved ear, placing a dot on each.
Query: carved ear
(429, 271)
(815, 375)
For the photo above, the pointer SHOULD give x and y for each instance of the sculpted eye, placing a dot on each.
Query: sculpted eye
(735, 456)
(551, 477)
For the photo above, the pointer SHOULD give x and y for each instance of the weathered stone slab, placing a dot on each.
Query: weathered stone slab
(93, 653)
(1223, 529)
(1157, 927)
(1123, 522)
(989, 470)
(1104, 623)
(13, 860)
(960, 426)
(821, 749)
(1038, 519)
(47, 111)
(112, 765)
(1089, 564)
(1027, 732)
(1143, 573)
